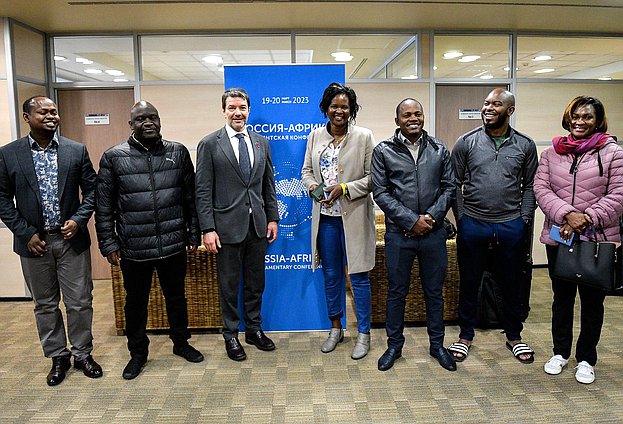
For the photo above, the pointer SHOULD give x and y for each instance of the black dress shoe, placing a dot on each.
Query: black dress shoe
(134, 368)
(188, 352)
(258, 339)
(235, 350)
(60, 365)
(387, 360)
(89, 367)
(444, 357)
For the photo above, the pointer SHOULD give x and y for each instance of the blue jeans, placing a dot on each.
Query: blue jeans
(400, 252)
(473, 240)
(332, 251)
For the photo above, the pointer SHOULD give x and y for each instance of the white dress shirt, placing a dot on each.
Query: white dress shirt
(234, 142)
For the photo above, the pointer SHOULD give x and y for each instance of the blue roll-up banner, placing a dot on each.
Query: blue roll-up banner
(284, 109)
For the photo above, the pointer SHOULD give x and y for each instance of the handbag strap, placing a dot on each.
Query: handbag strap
(603, 233)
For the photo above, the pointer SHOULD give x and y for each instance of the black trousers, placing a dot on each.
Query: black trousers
(232, 260)
(400, 253)
(472, 243)
(591, 316)
(137, 276)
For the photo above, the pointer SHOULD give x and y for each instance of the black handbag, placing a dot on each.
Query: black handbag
(590, 262)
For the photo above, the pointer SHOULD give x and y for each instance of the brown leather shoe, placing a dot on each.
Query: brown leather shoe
(235, 350)
(258, 339)
(89, 367)
(60, 365)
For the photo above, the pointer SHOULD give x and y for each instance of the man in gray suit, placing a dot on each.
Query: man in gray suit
(238, 215)
(42, 177)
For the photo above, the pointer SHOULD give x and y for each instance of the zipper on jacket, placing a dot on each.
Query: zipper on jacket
(153, 192)
(575, 173)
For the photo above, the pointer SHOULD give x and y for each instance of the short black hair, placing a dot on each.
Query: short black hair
(408, 99)
(600, 112)
(235, 92)
(335, 89)
(28, 104)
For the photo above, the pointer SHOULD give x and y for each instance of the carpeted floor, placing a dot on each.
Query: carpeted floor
(299, 384)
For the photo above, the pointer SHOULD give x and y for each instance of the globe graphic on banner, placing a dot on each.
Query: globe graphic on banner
(292, 199)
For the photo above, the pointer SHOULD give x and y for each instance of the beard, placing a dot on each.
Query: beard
(499, 123)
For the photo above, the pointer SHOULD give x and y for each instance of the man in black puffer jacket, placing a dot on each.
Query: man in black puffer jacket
(146, 219)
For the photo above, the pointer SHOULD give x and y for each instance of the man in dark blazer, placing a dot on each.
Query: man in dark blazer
(238, 215)
(42, 179)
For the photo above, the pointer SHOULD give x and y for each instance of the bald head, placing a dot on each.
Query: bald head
(497, 110)
(145, 122)
(141, 106)
(504, 95)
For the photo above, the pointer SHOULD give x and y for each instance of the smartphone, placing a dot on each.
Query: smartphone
(554, 234)
(318, 193)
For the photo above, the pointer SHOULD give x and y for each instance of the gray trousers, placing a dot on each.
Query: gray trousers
(61, 270)
(232, 260)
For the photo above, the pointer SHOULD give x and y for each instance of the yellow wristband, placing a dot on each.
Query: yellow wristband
(344, 189)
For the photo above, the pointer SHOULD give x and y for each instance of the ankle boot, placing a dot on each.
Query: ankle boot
(336, 335)
(362, 346)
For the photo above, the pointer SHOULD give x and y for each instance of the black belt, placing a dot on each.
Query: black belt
(52, 231)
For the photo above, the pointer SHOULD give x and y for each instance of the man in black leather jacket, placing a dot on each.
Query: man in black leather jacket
(414, 185)
(145, 218)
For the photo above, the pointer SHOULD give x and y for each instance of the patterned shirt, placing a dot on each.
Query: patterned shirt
(328, 170)
(46, 168)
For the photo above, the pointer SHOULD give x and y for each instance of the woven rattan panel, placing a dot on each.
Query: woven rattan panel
(202, 294)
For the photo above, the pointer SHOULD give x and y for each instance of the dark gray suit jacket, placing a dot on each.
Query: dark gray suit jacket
(20, 199)
(223, 198)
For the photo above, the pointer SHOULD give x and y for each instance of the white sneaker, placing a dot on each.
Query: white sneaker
(555, 365)
(585, 373)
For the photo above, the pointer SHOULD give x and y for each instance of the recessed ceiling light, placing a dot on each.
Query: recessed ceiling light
(410, 77)
(541, 58)
(469, 58)
(114, 72)
(544, 70)
(342, 56)
(434, 68)
(486, 77)
(506, 68)
(453, 54)
(59, 58)
(119, 80)
(84, 61)
(213, 59)
(604, 78)
(93, 71)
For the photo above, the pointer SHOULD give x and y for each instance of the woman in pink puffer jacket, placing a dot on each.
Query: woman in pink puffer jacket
(579, 182)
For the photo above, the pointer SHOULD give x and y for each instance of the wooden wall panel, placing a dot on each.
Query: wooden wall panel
(449, 100)
(73, 105)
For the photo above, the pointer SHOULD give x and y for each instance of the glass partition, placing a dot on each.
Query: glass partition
(480, 57)
(29, 47)
(188, 58)
(594, 58)
(93, 59)
(365, 56)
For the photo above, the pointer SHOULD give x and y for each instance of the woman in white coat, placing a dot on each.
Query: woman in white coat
(337, 160)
